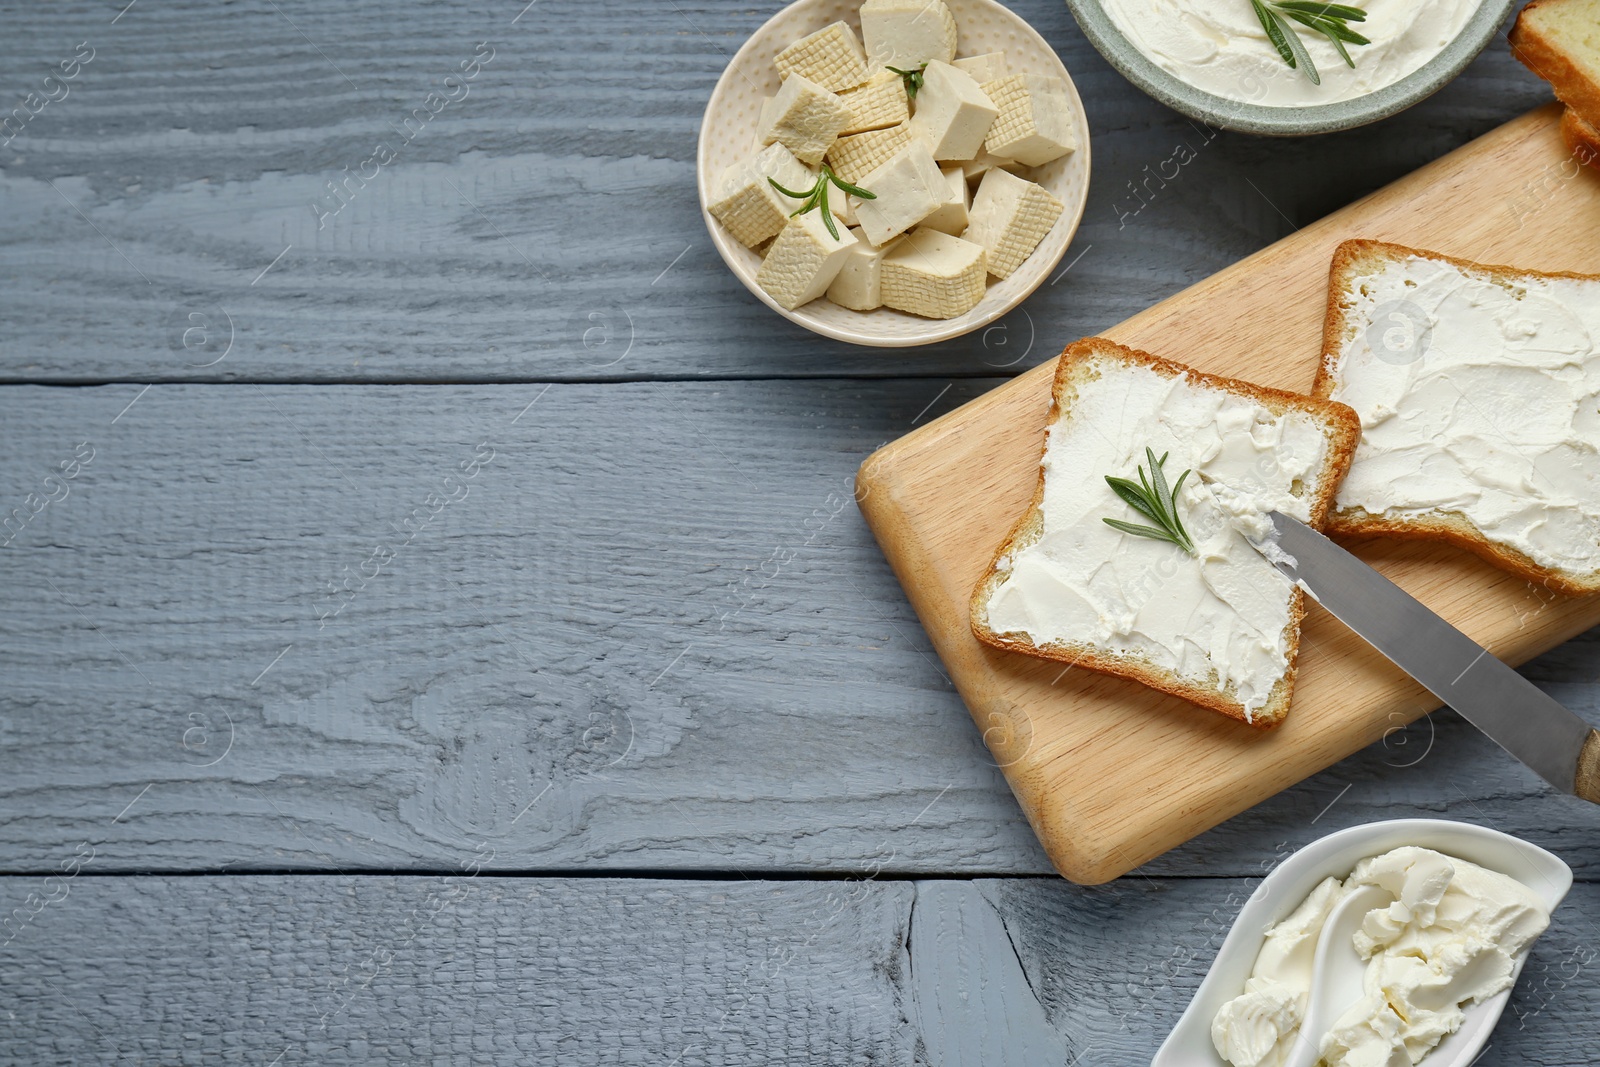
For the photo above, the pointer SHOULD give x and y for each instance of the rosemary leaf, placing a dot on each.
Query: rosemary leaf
(911, 78)
(787, 192)
(1298, 47)
(1275, 34)
(1140, 531)
(1153, 498)
(817, 196)
(1133, 496)
(1278, 18)
(1343, 12)
(827, 212)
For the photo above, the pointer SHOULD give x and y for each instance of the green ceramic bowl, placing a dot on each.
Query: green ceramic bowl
(1289, 121)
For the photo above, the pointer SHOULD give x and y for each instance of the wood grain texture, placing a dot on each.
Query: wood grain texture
(544, 226)
(528, 659)
(655, 633)
(974, 1003)
(1110, 773)
(342, 969)
(347, 970)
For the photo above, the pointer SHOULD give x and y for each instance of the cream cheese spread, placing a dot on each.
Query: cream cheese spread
(1478, 397)
(1216, 620)
(1451, 936)
(1219, 46)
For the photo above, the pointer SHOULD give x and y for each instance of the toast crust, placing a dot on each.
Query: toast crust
(1348, 260)
(1547, 58)
(1342, 430)
(1582, 139)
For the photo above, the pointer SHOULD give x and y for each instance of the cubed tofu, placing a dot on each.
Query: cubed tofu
(907, 33)
(831, 57)
(750, 208)
(933, 275)
(1035, 122)
(1009, 217)
(984, 68)
(856, 286)
(803, 260)
(951, 216)
(906, 190)
(983, 163)
(953, 113)
(853, 158)
(804, 117)
(877, 105)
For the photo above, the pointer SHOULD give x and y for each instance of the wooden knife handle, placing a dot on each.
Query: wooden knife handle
(1589, 769)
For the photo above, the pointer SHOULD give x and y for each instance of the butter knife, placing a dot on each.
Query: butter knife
(1555, 743)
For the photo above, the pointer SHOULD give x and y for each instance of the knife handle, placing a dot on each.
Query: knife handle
(1588, 785)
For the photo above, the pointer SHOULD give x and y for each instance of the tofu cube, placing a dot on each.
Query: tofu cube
(803, 261)
(953, 113)
(750, 208)
(877, 105)
(857, 284)
(951, 216)
(853, 158)
(983, 163)
(906, 190)
(933, 275)
(804, 117)
(984, 68)
(831, 57)
(1009, 217)
(1035, 122)
(907, 33)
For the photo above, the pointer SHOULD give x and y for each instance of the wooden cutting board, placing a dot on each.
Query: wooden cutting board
(1111, 773)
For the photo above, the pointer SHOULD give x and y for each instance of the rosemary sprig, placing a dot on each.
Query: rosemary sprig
(817, 196)
(1151, 497)
(911, 78)
(1330, 20)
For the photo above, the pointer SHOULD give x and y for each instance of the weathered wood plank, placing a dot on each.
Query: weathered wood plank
(649, 630)
(973, 1000)
(340, 969)
(543, 224)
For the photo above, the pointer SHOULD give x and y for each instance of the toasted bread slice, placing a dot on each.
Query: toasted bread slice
(1559, 40)
(1220, 628)
(1520, 486)
(1583, 140)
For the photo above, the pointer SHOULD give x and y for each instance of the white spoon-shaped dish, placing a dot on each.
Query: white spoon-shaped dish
(1336, 855)
(1338, 971)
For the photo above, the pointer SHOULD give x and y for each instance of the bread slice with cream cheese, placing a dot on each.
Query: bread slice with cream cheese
(1220, 627)
(1559, 40)
(1478, 390)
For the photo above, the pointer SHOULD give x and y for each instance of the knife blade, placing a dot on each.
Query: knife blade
(1551, 740)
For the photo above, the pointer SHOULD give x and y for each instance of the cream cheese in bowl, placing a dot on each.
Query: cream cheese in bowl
(1431, 920)
(1219, 47)
(1450, 936)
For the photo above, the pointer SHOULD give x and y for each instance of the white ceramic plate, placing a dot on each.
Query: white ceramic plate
(727, 134)
(1336, 855)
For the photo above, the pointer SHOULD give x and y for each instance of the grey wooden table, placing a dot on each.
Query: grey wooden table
(437, 623)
